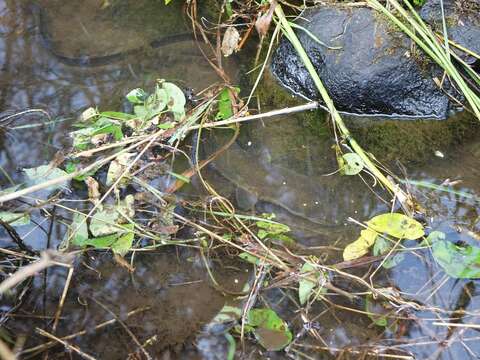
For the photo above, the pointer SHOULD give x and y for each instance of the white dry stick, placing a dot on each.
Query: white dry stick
(47, 259)
(233, 120)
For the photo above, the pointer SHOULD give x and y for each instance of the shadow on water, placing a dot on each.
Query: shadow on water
(278, 166)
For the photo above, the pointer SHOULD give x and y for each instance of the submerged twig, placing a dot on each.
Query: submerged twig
(66, 344)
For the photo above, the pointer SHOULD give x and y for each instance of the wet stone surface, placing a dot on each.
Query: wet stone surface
(365, 63)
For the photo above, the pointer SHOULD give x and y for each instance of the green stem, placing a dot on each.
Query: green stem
(290, 34)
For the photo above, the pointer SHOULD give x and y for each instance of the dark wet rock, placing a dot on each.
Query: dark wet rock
(462, 19)
(371, 71)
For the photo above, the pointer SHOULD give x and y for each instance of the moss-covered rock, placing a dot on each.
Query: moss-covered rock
(386, 138)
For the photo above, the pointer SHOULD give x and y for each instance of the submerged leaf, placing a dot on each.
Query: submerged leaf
(269, 329)
(44, 173)
(352, 164)
(308, 282)
(382, 247)
(79, 229)
(360, 247)
(15, 219)
(397, 225)
(458, 261)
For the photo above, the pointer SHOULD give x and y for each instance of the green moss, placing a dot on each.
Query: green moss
(412, 141)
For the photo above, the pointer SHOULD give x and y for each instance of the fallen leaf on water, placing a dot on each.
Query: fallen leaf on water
(397, 225)
(360, 247)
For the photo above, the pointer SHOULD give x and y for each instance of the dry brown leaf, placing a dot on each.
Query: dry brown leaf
(93, 190)
(231, 38)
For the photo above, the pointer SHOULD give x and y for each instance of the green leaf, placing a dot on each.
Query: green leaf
(117, 115)
(352, 164)
(137, 96)
(166, 126)
(15, 219)
(232, 346)
(106, 221)
(433, 237)
(102, 242)
(175, 100)
(157, 102)
(461, 262)
(79, 228)
(108, 126)
(397, 225)
(269, 228)
(383, 246)
(225, 109)
(308, 282)
(124, 243)
(249, 258)
(393, 260)
(44, 173)
(269, 329)
(73, 165)
(360, 247)
(180, 177)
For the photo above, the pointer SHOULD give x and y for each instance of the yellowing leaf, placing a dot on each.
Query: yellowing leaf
(397, 225)
(117, 167)
(360, 246)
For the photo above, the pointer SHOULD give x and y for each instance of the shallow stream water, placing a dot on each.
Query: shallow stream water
(277, 165)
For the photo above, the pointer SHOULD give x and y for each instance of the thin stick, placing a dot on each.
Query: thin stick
(469, 326)
(30, 270)
(290, 110)
(292, 37)
(68, 177)
(66, 344)
(62, 299)
(129, 332)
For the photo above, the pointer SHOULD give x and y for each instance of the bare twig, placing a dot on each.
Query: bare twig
(47, 259)
(129, 332)
(66, 344)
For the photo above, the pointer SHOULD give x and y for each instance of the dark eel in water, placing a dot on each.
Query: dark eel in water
(92, 61)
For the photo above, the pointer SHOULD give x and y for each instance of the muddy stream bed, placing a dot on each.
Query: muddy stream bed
(276, 166)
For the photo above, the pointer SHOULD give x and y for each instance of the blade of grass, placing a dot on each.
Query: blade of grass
(292, 37)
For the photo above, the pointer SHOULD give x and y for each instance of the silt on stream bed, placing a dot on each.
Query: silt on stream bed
(275, 166)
